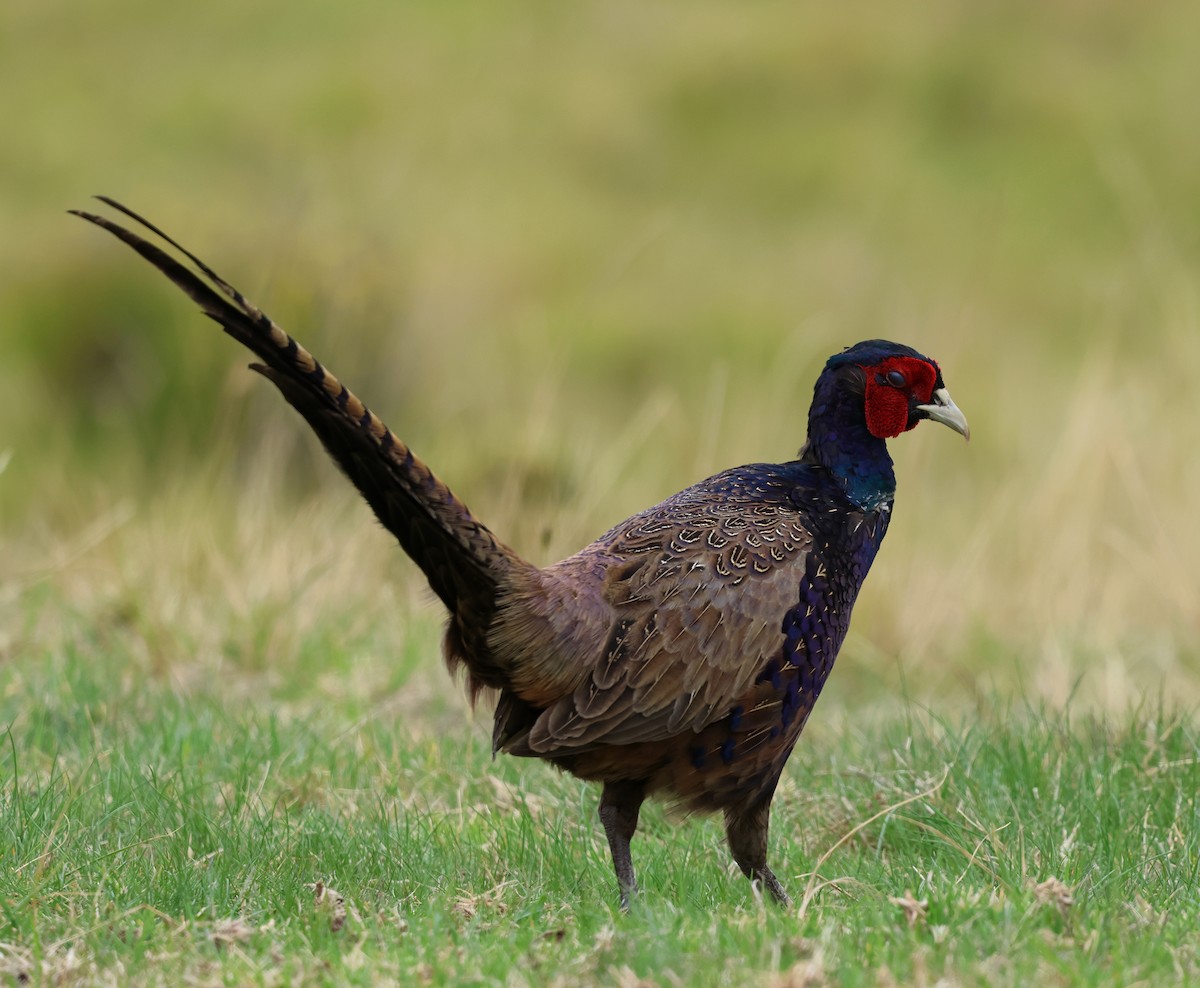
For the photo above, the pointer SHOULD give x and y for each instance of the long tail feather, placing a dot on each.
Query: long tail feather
(464, 562)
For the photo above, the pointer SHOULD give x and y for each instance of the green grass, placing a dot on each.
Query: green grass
(169, 837)
(580, 256)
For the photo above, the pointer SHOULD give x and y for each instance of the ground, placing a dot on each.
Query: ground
(580, 257)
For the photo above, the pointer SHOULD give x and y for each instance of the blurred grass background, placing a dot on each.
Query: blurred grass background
(580, 256)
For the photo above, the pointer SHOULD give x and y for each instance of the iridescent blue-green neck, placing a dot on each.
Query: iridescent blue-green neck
(838, 439)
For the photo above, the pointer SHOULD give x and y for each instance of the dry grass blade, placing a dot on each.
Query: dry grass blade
(331, 902)
(812, 887)
(1056, 893)
(914, 908)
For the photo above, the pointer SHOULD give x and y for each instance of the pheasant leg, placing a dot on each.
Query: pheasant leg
(619, 806)
(746, 830)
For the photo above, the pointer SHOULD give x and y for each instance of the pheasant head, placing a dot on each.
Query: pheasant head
(868, 393)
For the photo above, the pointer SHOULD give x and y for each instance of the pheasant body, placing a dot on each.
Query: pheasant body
(680, 654)
(757, 569)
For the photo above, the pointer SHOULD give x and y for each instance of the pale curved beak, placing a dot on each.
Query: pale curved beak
(945, 411)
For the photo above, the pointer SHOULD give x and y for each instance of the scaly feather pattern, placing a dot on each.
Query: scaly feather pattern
(681, 653)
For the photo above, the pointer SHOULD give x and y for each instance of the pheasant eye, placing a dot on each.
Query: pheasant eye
(896, 378)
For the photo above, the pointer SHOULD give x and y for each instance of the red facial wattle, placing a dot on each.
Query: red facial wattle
(888, 398)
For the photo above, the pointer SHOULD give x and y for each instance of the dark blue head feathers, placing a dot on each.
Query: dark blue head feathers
(867, 393)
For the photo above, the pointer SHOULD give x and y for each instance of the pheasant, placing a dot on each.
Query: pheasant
(680, 654)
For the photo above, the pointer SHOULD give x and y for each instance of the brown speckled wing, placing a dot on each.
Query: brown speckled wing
(695, 591)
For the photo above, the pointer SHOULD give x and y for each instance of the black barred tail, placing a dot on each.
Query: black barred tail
(466, 565)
